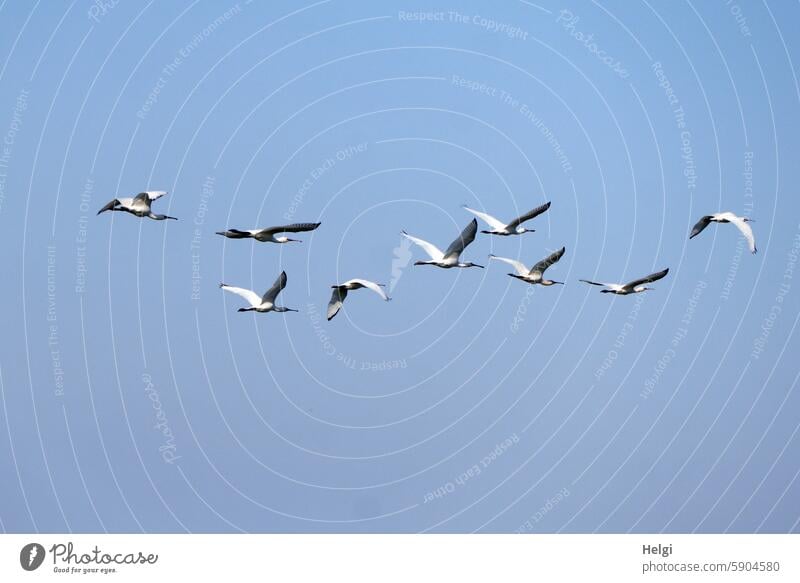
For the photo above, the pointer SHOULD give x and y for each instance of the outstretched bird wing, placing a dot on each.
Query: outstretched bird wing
(548, 261)
(466, 237)
(519, 267)
(432, 250)
(293, 228)
(528, 216)
(272, 293)
(252, 297)
(149, 195)
(747, 231)
(337, 297)
(376, 287)
(488, 219)
(647, 279)
(700, 225)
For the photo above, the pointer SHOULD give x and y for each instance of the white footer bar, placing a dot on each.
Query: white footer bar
(401, 558)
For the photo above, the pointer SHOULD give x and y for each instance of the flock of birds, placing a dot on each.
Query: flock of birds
(140, 206)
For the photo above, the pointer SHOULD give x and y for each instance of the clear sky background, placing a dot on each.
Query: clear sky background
(136, 398)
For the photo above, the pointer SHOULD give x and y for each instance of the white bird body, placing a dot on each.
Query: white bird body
(534, 275)
(262, 304)
(634, 287)
(138, 205)
(515, 227)
(268, 235)
(727, 217)
(451, 257)
(340, 293)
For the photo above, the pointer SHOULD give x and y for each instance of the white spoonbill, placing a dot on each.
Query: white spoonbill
(514, 227)
(139, 205)
(450, 257)
(634, 287)
(534, 275)
(265, 303)
(340, 293)
(728, 217)
(268, 234)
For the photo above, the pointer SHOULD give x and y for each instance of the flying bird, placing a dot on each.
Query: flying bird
(634, 287)
(535, 274)
(139, 205)
(727, 217)
(265, 303)
(514, 227)
(340, 293)
(268, 234)
(450, 257)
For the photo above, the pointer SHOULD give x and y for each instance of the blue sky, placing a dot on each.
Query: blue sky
(136, 398)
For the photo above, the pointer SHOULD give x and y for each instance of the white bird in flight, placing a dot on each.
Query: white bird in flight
(268, 234)
(634, 287)
(727, 217)
(450, 257)
(265, 303)
(534, 275)
(139, 205)
(340, 293)
(514, 227)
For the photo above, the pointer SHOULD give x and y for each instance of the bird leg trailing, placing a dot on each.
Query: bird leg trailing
(235, 234)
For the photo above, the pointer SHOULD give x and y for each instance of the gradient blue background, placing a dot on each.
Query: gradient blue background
(275, 424)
